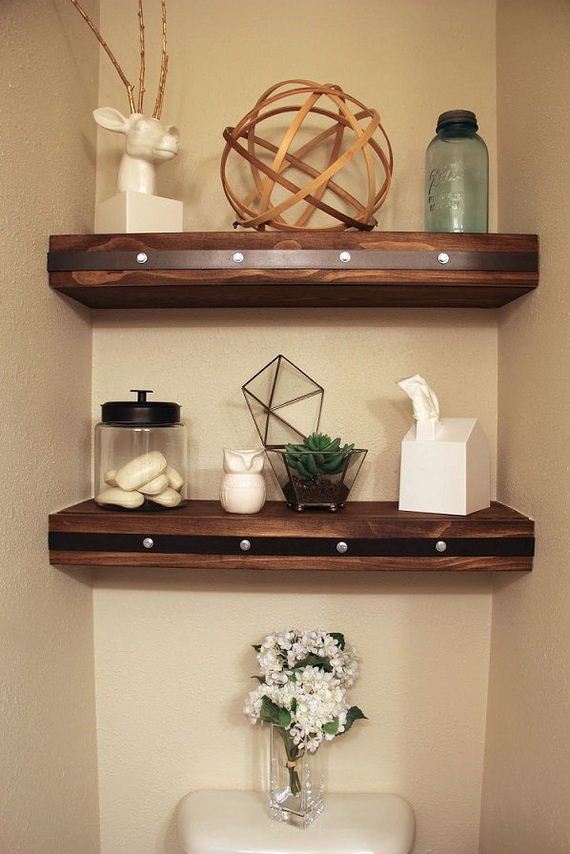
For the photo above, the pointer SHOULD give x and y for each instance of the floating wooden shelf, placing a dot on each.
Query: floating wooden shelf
(378, 537)
(315, 269)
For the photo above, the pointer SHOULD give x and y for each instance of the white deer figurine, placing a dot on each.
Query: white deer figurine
(147, 142)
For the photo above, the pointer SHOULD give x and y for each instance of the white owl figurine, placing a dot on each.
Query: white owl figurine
(243, 485)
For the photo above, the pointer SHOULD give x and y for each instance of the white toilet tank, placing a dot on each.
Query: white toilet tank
(230, 822)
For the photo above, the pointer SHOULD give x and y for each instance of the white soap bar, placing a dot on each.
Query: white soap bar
(155, 486)
(120, 497)
(109, 477)
(141, 470)
(168, 498)
(175, 479)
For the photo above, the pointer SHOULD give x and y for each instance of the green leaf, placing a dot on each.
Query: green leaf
(256, 646)
(303, 471)
(269, 711)
(353, 714)
(260, 679)
(284, 718)
(339, 638)
(332, 727)
(294, 705)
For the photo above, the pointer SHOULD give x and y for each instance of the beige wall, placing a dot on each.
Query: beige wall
(527, 781)
(172, 653)
(48, 793)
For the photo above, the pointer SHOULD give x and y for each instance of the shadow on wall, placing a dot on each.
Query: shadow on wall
(284, 317)
(258, 581)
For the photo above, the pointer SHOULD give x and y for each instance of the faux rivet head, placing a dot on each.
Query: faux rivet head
(148, 543)
(237, 257)
(142, 257)
(344, 257)
(443, 258)
(245, 545)
(342, 547)
(441, 546)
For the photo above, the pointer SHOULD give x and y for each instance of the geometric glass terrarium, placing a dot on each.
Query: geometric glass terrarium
(285, 403)
(313, 470)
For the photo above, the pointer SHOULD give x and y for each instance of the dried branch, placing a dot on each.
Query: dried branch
(163, 66)
(161, 90)
(129, 86)
(142, 62)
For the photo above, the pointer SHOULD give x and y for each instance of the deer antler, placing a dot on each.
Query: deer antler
(163, 67)
(142, 62)
(129, 86)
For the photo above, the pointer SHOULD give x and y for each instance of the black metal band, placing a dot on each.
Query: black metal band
(291, 259)
(292, 546)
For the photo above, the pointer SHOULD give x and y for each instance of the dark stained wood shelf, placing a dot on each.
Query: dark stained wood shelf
(285, 270)
(378, 536)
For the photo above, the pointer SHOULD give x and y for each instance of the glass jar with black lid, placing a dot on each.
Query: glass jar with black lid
(140, 455)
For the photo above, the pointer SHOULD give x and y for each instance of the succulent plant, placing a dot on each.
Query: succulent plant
(318, 456)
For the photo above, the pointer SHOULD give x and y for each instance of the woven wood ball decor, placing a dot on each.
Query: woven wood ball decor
(347, 132)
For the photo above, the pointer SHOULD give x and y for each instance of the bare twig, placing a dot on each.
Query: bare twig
(142, 62)
(162, 89)
(163, 66)
(129, 86)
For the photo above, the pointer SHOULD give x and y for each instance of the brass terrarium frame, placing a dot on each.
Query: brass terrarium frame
(310, 475)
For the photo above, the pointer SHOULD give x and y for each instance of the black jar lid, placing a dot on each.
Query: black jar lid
(454, 117)
(140, 412)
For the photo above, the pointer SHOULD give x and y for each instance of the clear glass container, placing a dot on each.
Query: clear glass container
(285, 404)
(296, 782)
(457, 176)
(140, 455)
(322, 488)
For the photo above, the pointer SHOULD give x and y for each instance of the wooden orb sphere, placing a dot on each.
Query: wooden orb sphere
(348, 133)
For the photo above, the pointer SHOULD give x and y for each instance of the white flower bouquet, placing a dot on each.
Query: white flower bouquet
(303, 690)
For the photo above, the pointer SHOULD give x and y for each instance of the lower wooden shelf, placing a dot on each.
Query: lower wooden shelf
(366, 535)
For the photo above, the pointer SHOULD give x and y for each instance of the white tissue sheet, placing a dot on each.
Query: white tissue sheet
(424, 399)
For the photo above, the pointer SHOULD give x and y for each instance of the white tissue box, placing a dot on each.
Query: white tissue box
(449, 473)
(132, 213)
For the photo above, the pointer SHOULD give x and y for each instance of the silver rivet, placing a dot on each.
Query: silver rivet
(245, 545)
(342, 547)
(443, 258)
(441, 546)
(237, 257)
(344, 257)
(148, 543)
(142, 257)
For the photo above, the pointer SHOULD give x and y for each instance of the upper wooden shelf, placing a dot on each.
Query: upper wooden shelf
(377, 535)
(313, 269)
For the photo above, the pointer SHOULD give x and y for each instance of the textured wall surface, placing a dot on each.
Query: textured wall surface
(527, 784)
(48, 793)
(172, 653)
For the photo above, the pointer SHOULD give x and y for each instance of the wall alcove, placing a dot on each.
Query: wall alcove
(250, 269)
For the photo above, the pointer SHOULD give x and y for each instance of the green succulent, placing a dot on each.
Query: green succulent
(318, 456)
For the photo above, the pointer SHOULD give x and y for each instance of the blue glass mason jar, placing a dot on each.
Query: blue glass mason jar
(457, 176)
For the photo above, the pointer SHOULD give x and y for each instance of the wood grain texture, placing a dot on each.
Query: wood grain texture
(289, 563)
(306, 288)
(358, 522)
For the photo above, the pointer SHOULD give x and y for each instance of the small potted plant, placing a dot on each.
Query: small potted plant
(302, 697)
(313, 470)
(317, 473)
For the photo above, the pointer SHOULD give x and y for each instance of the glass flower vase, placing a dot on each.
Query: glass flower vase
(296, 782)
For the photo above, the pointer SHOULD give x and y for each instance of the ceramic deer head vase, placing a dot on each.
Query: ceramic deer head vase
(243, 486)
(147, 140)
